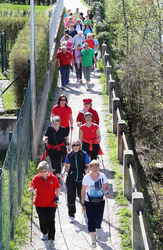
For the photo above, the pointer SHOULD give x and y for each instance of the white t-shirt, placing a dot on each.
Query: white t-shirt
(94, 188)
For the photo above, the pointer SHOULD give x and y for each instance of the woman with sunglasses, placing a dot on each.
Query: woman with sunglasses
(62, 110)
(90, 137)
(87, 108)
(47, 195)
(56, 139)
(78, 161)
(95, 189)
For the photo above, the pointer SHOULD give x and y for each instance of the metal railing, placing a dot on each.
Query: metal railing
(54, 25)
(13, 174)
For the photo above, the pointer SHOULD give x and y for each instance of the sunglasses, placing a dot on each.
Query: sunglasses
(86, 103)
(64, 100)
(76, 145)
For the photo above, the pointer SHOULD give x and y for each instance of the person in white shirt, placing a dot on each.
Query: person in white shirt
(95, 189)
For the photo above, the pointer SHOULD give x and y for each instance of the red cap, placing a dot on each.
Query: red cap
(87, 100)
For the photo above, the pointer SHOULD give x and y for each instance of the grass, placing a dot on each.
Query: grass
(23, 220)
(121, 201)
(8, 99)
(7, 6)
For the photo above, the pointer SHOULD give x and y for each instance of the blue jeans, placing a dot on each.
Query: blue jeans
(78, 71)
(65, 72)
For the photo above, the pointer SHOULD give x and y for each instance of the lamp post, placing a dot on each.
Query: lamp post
(33, 81)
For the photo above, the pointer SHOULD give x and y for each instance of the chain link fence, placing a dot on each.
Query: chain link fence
(13, 174)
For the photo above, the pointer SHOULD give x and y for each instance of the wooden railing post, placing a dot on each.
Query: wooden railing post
(137, 205)
(111, 86)
(128, 158)
(115, 104)
(104, 48)
(1, 234)
(120, 129)
(106, 59)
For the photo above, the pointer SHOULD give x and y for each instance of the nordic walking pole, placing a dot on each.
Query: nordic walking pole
(107, 205)
(31, 216)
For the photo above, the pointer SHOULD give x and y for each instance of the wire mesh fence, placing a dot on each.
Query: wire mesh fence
(13, 174)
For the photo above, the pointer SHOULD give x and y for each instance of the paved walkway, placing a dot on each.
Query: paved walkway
(75, 236)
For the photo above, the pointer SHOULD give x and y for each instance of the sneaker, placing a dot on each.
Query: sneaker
(51, 243)
(72, 219)
(81, 81)
(86, 88)
(93, 244)
(44, 237)
(63, 88)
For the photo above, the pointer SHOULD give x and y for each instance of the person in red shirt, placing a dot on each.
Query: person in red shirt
(87, 108)
(90, 137)
(65, 59)
(47, 192)
(90, 41)
(62, 110)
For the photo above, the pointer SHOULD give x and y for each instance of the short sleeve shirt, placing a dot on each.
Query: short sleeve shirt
(87, 57)
(63, 113)
(89, 133)
(65, 59)
(94, 188)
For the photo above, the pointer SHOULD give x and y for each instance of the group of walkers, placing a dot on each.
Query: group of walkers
(78, 166)
(78, 47)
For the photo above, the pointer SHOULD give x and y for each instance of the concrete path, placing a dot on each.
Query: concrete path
(75, 236)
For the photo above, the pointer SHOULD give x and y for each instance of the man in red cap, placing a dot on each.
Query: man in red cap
(87, 108)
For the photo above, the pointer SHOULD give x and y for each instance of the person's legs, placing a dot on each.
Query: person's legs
(85, 147)
(71, 196)
(95, 151)
(99, 214)
(63, 76)
(84, 71)
(67, 74)
(56, 159)
(80, 72)
(90, 211)
(79, 187)
(51, 222)
(42, 219)
(77, 73)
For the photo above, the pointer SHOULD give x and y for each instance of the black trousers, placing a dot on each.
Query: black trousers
(56, 160)
(72, 186)
(93, 154)
(47, 220)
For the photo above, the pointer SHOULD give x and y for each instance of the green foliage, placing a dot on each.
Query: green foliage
(20, 55)
(22, 223)
(12, 25)
(37, 2)
(9, 99)
(101, 6)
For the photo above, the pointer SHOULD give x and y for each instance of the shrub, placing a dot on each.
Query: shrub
(101, 7)
(12, 25)
(20, 55)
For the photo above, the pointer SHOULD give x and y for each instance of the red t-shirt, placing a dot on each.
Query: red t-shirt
(45, 190)
(63, 113)
(65, 59)
(95, 117)
(90, 42)
(89, 133)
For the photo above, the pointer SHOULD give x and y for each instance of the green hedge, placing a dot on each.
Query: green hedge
(12, 25)
(20, 56)
(37, 2)
(101, 6)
